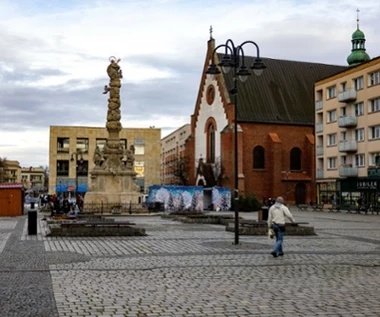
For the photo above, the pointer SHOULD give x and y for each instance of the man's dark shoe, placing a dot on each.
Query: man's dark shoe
(274, 254)
(281, 254)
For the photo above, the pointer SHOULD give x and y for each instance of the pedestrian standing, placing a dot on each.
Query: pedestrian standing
(276, 220)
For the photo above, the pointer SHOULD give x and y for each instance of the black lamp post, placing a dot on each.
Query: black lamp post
(76, 168)
(234, 58)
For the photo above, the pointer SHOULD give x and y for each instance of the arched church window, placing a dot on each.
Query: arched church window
(295, 159)
(211, 143)
(258, 157)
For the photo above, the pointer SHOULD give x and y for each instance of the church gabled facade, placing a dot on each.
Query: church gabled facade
(275, 130)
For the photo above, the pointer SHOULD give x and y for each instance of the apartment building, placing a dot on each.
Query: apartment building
(10, 171)
(347, 131)
(72, 148)
(33, 178)
(172, 150)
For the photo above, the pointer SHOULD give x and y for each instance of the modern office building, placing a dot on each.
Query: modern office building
(71, 153)
(347, 130)
(172, 151)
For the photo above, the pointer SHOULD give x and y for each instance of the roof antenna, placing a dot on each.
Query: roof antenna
(211, 32)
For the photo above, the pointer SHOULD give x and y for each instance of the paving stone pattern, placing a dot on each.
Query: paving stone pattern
(192, 270)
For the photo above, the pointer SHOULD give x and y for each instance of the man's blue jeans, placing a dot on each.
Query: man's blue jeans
(279, 239)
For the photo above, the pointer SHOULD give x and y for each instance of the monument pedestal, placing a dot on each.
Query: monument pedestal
(112, 189)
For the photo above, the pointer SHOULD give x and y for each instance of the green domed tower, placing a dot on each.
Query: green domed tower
(358, 54)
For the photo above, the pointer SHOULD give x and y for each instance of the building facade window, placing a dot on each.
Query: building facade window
(258, 157)
(343, 160)
(331, 92)
(139, 168)
(62, 167)
(374, 78)
(82, 168)
(100, 143)
(63, 145)
(331, 116)
(374, 159)
(360, 160)
(359, 109)
(123, 143)
(374, 105)
(359, 134)
(82, 145)
(358, 83)
(295, 159)
(343, 136)
(343, 111)
(139, 147)
(331, 163)
(331, 139)
(374, 132)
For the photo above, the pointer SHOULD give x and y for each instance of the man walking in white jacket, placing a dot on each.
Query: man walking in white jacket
(276, 220)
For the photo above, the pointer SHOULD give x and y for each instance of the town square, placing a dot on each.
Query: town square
(189, 158)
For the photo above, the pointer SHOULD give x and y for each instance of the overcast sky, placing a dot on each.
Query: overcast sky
(54, 55)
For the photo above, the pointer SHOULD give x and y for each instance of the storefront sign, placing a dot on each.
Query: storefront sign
(366, 184)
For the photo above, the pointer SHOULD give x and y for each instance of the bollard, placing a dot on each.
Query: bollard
(32, 222)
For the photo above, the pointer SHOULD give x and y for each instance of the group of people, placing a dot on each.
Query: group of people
(62, 205)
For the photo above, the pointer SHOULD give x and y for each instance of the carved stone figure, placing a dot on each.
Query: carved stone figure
(130, 154)
(113, 70)
(97, 156)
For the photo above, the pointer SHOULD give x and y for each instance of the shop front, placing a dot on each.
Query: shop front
(363, 191)
(327, 193)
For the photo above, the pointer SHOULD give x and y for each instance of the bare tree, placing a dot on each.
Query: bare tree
(3, 167)
(46, 174)
(181, 169)
(218, 171)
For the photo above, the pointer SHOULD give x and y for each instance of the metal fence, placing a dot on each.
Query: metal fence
(112, 208)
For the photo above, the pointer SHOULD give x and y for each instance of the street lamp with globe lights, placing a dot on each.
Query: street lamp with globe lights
(78, 164)
(234, 59)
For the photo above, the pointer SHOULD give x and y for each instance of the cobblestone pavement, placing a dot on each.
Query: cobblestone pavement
(193, 270)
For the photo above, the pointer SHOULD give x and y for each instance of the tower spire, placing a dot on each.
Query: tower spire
(357, 17)
(211, 32)
(358, 54)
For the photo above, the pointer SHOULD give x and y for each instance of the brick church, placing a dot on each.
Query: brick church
(276, 150)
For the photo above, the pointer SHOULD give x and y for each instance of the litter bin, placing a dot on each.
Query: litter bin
(32, 222)
(263, 213)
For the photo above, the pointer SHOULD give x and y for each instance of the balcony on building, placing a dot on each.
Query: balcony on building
(319, 128)
(348, 171)
(318, 105)
(347, 95)
(348, 146)
(320, 173)
(348, 121)
(319, 149)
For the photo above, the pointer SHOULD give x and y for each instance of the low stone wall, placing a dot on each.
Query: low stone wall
(56, 230)
(201, 219)
(260, 228)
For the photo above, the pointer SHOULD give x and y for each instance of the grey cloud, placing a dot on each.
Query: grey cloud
(15, 48)
(23, 74)
(30, 107)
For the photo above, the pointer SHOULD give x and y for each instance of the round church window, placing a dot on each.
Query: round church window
(210, 94)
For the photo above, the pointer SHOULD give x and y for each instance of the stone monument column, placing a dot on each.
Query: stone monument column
(112, 179)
